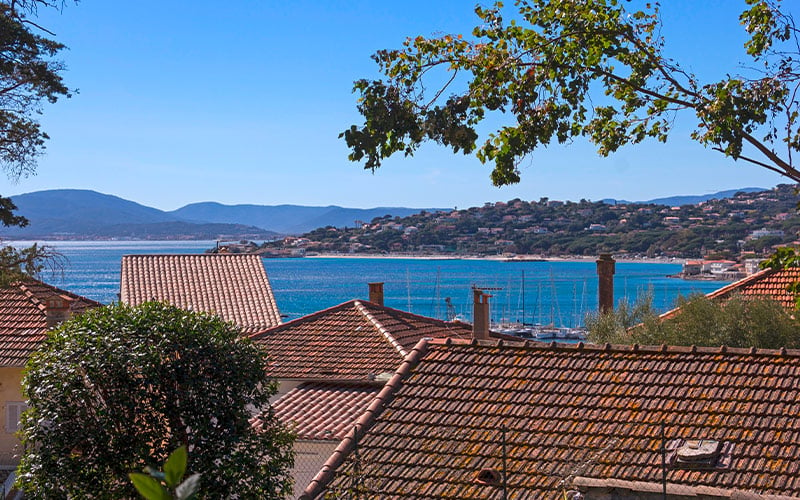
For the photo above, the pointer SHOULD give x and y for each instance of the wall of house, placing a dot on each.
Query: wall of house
(309, 456)
(10, 392)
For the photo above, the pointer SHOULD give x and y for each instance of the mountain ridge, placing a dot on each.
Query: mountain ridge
(81, 213)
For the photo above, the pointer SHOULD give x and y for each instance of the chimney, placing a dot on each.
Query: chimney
(57, 309)
(605, 275)
(376, 293)
(480, 315)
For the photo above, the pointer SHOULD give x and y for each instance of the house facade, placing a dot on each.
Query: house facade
(28, 309)
(330, 366)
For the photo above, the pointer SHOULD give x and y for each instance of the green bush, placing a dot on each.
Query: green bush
(736, 322)
(119, 386)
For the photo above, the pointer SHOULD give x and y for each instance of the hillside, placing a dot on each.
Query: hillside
(83, 214)
(747, 222)
(287, 219)
(79, 211)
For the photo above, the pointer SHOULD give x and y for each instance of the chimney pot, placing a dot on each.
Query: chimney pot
(480, 315)
(605, 275)
(376, 293)
(57, 309)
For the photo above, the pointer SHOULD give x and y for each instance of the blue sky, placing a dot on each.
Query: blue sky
(241, 102)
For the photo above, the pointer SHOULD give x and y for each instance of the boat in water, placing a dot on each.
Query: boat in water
(543, 333)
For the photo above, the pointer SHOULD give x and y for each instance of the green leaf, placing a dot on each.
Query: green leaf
(188, 488)
(175, 467)
(148, 487)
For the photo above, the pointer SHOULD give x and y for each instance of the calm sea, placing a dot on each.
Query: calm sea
(554, 292)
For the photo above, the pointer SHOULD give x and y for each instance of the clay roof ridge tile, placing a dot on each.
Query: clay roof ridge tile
(379, 326)
(303, 319)
(619, 348)
(364, 422)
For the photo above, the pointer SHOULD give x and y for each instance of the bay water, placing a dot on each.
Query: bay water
(559, 293)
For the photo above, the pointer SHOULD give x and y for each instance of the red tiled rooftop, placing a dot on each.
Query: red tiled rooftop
(592, 411)
(324, 411)
(766, 283)
(355, 341)
(23, 322)
(235, 287)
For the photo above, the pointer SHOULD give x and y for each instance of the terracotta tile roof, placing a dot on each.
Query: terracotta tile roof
(23, 319)
(235, 287)
(771, 283)
(324, 411)
(768, 282)
(355, 341)
(590, 412)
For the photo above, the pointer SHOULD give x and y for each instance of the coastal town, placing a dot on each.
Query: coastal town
(191, 350)
(746, 225)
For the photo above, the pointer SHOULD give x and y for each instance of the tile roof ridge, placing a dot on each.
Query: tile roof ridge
(326, 474)
(30, 295)
(301, 320)
(617, 348)
(673, 489)
(378, 326)
(201, 254)
(25, 283)
(417, 316)
(744, 281)
(730, 287)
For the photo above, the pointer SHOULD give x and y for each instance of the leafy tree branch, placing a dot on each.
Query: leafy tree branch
(560, 70)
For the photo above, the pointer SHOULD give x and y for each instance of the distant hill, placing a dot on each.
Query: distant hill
(721, 228)
(677, 201)
(85, 214)
(289, 219)
(77, 213)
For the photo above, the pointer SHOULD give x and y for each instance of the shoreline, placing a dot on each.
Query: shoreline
(518, 258)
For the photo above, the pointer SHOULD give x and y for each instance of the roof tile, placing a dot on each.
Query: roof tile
(595, 410)
(355, 341)
(235, 287)
(23, 320)
(324, 411)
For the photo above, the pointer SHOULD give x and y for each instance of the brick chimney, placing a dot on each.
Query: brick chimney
(57, 309)
(605, 278)
(376, 293)
(480, 314)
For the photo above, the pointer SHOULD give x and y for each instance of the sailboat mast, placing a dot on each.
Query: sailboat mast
(523, 297)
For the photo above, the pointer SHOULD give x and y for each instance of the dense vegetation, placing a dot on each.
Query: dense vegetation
(737, 322)
(721, 228)
(120, 388)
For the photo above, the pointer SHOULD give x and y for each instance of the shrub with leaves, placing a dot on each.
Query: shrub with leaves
(736, 322)
(167, 484)
(120, 386)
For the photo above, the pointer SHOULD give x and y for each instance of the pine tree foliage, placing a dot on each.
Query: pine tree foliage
(30, 75)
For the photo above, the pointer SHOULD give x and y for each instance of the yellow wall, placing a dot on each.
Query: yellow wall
(10, 390)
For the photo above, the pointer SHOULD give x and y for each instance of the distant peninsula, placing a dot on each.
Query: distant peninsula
(744, 223)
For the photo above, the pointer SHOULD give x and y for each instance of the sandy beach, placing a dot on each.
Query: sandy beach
(499, 258)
